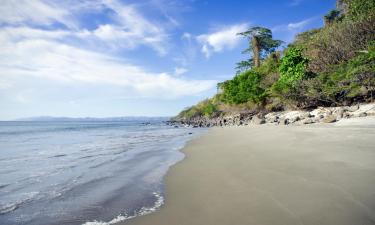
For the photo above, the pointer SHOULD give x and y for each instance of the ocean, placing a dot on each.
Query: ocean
(82, 172)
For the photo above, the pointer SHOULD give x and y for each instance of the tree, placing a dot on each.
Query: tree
(261, 43)
(332, 16)
(243, 66)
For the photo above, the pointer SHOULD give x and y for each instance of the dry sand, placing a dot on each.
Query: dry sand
(268, 175)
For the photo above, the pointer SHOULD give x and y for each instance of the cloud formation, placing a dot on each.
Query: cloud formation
(288, 31)
(34, 47)
(25, 11)
(225, 38)
(299, 25)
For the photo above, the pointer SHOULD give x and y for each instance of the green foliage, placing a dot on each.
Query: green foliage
(360, 9)
(243, 66)
(270, 64)
(243, 88)
(207, 108)
(338, 43)
(261, 45)
(266, 42)
(333, 65)
(305, 37)
(292, 70)
(350, 80)
(332, 16)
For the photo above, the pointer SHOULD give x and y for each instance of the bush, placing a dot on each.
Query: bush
(207, 108)
(351, 81)
(302, 39)
(338, 43)
(359, 9)
(342, 84)
(243, 88)
(270, 64)
(292, 70)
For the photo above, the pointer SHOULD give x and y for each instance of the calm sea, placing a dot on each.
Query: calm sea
(85, 172)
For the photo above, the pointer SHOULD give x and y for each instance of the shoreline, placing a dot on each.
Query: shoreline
(288, 117)
(267, 175)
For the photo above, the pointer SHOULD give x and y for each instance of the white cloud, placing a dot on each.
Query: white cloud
(132, 28)
(224, 39)
(299, 25)
(179, 71)
(14, 33)
(44, 63)
(35, 11)
(44, 59)
(293, 27)
(127, 30)
(287, 32)
(186, 36)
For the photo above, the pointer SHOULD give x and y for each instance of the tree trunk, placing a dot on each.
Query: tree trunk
(342, 6)
(256, 51)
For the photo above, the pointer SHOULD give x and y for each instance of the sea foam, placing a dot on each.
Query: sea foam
(143, 211)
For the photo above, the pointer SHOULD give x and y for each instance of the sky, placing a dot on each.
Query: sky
(109, 58)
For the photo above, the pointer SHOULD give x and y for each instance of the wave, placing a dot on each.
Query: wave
(47, 127)
(141, 212)
(9, 207)
(58, 156)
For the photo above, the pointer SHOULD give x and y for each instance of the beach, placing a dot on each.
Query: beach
(273, 175)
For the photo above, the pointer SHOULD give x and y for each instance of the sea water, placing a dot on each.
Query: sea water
(99, 172)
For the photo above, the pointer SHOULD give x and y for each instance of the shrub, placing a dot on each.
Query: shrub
(292, 70)
(359, 9)
(207, 108)
(243, 88)
(338, 43)
(302, 39)
(270, 64)
(351, 81)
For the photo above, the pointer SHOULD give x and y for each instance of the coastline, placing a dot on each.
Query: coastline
(311, 174)
(287, 117)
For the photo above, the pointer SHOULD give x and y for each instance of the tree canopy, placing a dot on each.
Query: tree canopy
(261, 44)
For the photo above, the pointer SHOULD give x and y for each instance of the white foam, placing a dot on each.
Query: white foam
(8, 208)
(143, 211)
(11, 206)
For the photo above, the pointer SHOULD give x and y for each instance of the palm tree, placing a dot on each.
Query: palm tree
(261, 43)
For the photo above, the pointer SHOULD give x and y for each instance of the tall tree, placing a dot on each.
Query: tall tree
(261, 43)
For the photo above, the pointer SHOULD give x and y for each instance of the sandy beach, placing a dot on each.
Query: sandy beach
(273, 175)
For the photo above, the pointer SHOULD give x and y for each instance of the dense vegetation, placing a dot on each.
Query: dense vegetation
(330, 66)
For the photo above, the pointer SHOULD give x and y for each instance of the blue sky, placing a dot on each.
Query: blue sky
(104, 58)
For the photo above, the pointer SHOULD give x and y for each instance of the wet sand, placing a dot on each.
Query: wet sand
(273, 175)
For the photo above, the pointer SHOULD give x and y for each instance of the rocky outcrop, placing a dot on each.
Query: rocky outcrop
(298, 117)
